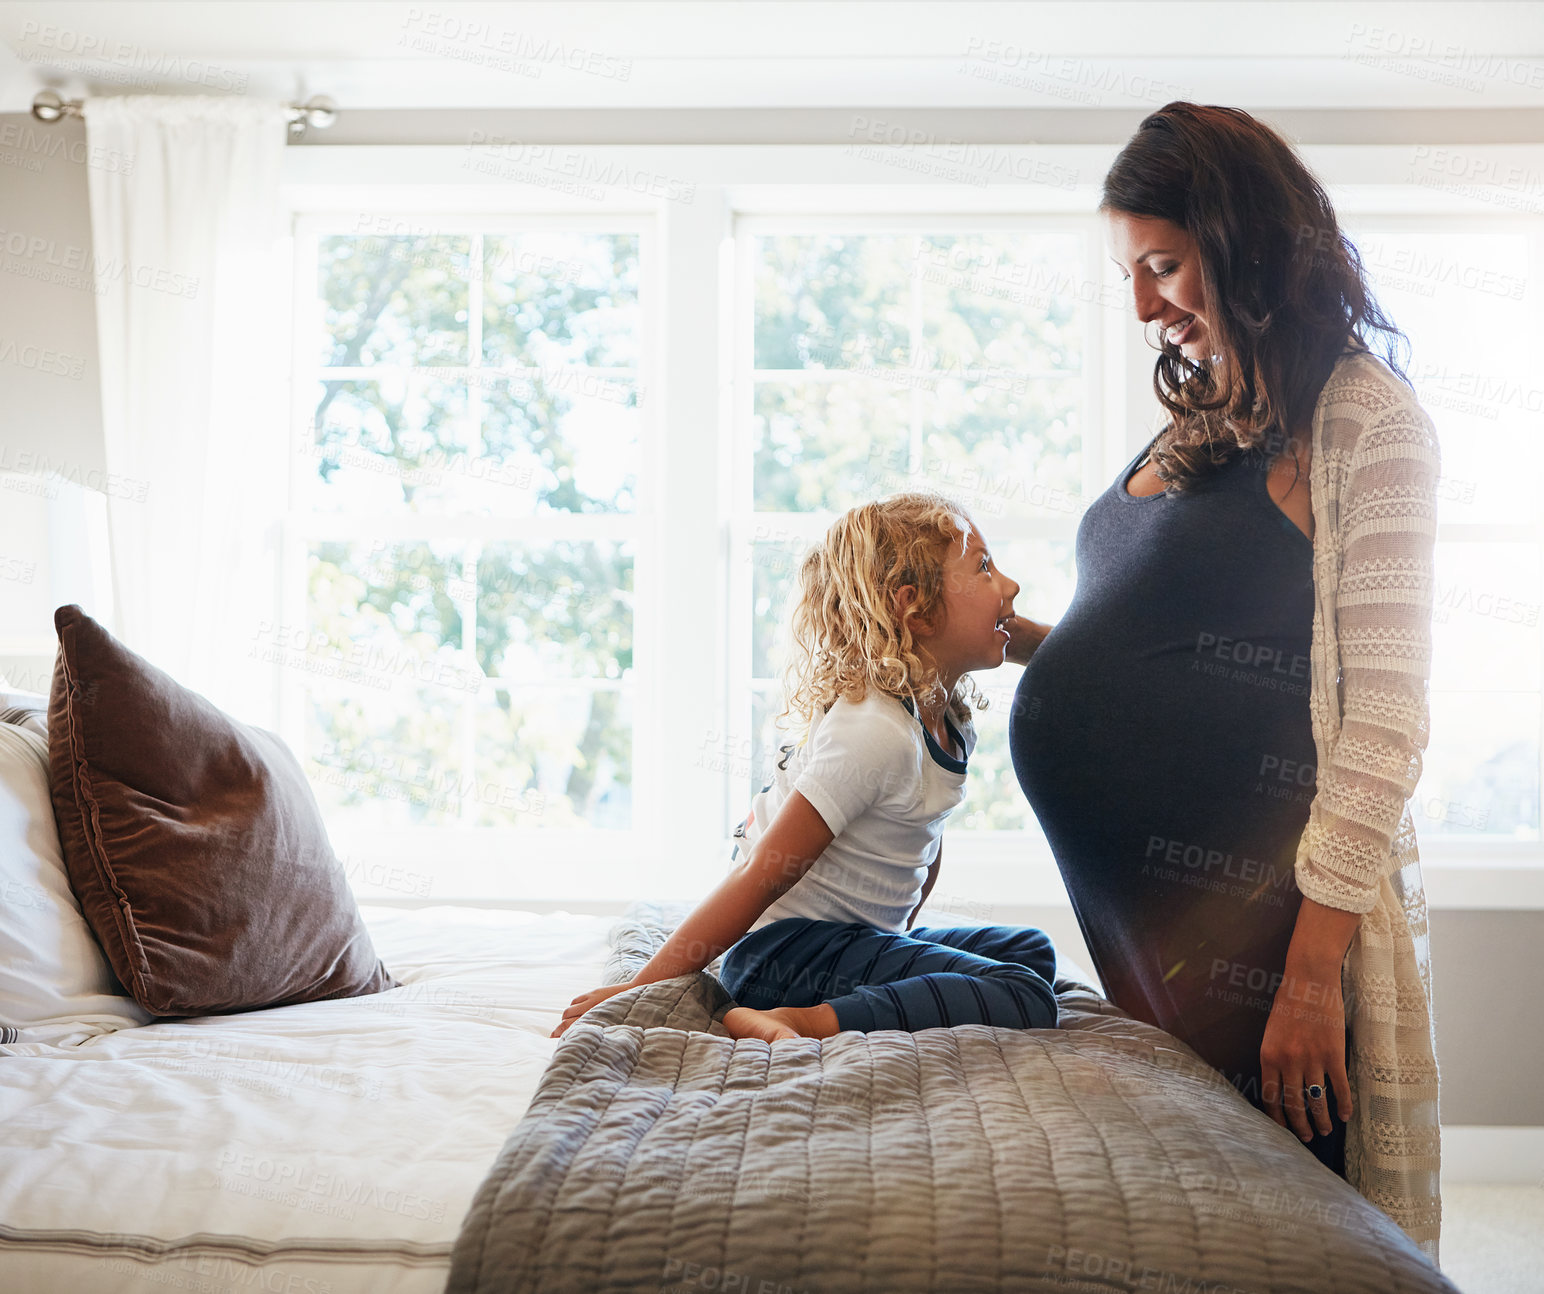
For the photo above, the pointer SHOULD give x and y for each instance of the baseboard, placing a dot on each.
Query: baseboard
(1500, 1155)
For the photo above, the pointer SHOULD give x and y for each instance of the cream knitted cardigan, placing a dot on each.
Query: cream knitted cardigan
(1373, 483)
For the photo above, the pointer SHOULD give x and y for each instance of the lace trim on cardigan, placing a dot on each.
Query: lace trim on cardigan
(1377, 757)
(1373, 486)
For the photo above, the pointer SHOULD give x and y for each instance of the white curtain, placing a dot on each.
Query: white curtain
(190, 324)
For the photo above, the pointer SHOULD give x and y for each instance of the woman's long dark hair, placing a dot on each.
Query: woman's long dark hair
(1285, 289)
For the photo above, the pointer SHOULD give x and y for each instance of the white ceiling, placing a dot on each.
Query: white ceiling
(785, 53)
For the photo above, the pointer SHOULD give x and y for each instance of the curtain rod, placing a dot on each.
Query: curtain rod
(318, 111)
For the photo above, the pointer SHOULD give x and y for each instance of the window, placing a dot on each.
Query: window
(1459, 288)
(465, 545)
(550, 511)
(946, 353)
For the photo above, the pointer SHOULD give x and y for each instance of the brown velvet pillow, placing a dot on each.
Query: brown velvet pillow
(193, 842)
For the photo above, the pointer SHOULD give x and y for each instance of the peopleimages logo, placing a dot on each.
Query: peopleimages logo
(32, 147)
(434, 31)
(1419, 55)
(42, 359)
(1412, 268)
(1483, 175)
(370, 664)
(302, 1185)
(36, 253)
(894, 144)
(553, 165)
(65, 49)
(1077, 80)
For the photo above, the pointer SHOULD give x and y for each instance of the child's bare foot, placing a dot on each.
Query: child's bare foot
(781, 1022)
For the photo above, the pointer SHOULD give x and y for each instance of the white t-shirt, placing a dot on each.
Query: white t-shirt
(883, 786)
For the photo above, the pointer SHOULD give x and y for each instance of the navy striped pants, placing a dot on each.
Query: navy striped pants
(874, 979)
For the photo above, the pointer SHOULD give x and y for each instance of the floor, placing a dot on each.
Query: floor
(1493, 1238)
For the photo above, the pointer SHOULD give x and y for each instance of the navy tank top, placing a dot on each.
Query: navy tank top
(1161, 734)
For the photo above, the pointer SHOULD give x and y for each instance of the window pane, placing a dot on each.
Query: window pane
(751, 755)
(1001, 452)
(1046, 574)
(568, 440)
(993, 801)
(1462, 298)
(399, 715)
(1481, 771)
(1044, 571)
(386, 759)
(561, 299)
(393, 300)
(560, 611)
(382, 620)
(1003, 301)
(401, 442)
(554, 759)
(1485, 621)
(406, 442)
(832, 301)
(966, 352)
(824, 444)
(774, 577)
(386, 680)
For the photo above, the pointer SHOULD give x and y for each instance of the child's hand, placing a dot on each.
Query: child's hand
(584, 1002)
(1024, 635)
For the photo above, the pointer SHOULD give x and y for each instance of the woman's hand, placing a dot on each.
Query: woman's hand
(1024, 635)
(584, 1002)
(1305, 1043)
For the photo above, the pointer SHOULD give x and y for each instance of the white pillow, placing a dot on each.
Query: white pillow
(55, 985)
(27, 709)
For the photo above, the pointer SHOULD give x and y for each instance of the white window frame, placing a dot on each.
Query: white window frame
(688, 631)
(477, 850)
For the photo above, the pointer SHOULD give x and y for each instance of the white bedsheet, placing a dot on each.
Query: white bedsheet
(319, 1149)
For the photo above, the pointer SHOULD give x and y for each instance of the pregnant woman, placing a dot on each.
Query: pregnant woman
(1220, 736)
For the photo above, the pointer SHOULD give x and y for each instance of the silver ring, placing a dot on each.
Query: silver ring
(1315, 1092)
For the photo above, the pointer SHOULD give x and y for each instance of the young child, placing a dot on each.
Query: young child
(895, 606)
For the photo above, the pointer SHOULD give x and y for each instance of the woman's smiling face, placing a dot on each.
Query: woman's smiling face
(1160, 261)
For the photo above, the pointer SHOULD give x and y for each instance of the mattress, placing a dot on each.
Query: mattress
(324, 1148)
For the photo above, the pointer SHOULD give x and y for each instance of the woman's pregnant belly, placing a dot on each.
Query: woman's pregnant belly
(1171, 767)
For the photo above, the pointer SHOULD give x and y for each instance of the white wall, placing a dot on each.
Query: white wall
(45, 283)
(50, 404)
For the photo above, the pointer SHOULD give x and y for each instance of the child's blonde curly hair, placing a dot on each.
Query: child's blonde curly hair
(847, 633)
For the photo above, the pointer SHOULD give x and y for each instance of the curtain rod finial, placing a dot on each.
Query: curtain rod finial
(318, 112)
(48, 107)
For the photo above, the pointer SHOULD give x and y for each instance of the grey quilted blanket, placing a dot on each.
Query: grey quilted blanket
(661, 1155)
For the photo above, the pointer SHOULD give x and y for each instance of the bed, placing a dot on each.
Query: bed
(345, 1146)
(415, 1129)
(325, 1148)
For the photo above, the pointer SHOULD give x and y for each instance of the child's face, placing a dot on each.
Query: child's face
(977, 598)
